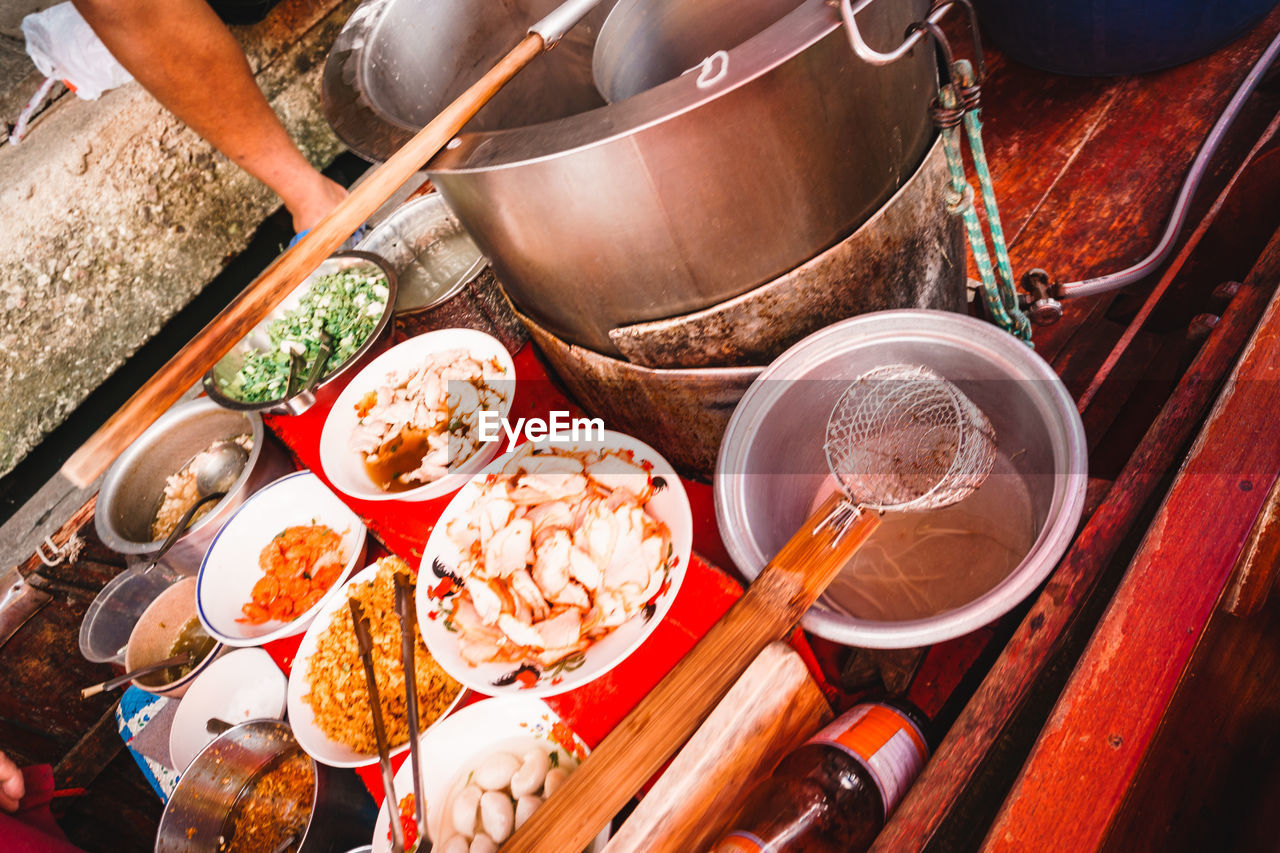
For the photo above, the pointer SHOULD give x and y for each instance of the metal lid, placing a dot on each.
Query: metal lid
(430, 252)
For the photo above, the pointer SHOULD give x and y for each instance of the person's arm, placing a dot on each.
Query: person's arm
(12, 785)
(182, 53)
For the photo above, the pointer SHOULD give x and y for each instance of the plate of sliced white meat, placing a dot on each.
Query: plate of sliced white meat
(553, 564)
(407, 427)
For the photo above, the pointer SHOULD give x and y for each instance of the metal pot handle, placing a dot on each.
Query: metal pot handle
(915, 33)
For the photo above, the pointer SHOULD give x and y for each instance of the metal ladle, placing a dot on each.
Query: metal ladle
(220, 467)
(181, 528)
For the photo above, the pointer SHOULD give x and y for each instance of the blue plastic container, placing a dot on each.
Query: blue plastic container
(1104, 37)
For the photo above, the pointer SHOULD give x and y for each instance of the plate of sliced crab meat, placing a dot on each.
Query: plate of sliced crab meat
(553, 564)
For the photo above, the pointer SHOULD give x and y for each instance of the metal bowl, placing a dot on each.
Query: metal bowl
(342, 812)
(771, 463)
(134, 486)
(229, 364)
(153, 637)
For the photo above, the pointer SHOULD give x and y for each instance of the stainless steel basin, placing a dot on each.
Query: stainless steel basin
(341, 814)
(771, 462)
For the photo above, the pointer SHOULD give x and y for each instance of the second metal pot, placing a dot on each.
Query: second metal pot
(342, 812)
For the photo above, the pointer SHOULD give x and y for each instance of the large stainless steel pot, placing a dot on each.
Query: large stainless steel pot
(684, 374)
(682, 193)
(772, 461)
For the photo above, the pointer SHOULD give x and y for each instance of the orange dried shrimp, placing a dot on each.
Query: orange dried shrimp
(299, 565)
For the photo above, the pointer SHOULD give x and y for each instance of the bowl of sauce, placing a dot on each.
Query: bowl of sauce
(169, 627)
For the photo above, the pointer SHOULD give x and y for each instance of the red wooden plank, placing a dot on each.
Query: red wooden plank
(1196, 793)
(1074, 781)
(1056, 610)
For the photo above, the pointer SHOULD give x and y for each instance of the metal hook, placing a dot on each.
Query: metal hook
(55, 555)
(979, 60)
(915, 33)
(946, 59)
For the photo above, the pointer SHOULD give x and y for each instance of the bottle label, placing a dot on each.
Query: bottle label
(741, 841)
(886, 742)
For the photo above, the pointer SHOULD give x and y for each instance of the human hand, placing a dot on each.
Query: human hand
(12, 786)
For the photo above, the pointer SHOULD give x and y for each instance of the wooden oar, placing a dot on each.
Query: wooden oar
(290, 269)
(668, 716)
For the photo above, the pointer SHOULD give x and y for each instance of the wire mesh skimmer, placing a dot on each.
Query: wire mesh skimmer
(903, 438)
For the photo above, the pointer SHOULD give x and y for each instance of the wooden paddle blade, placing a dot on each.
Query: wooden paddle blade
(289, 270)
(668, 716)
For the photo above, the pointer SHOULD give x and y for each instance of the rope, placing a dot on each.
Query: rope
(969, 93)
(958, 103)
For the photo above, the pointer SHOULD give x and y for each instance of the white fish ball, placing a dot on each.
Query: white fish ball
(529, 778)
(483, 844)
(555, 778)
(497, 815)
(525, 807)
(456, 844)
(465, 807)
(495, 772)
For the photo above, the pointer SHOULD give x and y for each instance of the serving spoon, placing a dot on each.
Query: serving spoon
(220, 467)
(180, 529)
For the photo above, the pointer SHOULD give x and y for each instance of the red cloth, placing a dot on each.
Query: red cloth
(31, 829)
(403, 528)
(594, 709)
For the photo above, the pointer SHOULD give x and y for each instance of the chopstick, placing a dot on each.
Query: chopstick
(287, 843)
(408, 623)
(364, 641)
(113, 683)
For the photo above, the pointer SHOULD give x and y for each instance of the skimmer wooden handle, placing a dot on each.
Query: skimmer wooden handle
(289, 270)
(668, 716)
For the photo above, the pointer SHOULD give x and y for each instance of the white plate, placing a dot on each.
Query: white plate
(670, 505)
(344, 467)
(456, 744)
(230, 568)
(243, 685)
(302, 718)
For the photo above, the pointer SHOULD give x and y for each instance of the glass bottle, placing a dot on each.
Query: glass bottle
(834, 793)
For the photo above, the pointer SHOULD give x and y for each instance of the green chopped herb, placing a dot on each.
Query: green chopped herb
(347, 305)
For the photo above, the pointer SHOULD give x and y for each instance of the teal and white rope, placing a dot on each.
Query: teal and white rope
(998, 290)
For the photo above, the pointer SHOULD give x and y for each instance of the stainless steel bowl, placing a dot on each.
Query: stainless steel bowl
(342, 812)
(427, 248)
(134, 486)
(229, 364)
(771, 463)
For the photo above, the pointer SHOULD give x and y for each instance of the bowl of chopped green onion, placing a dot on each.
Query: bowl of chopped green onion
(329, 325)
